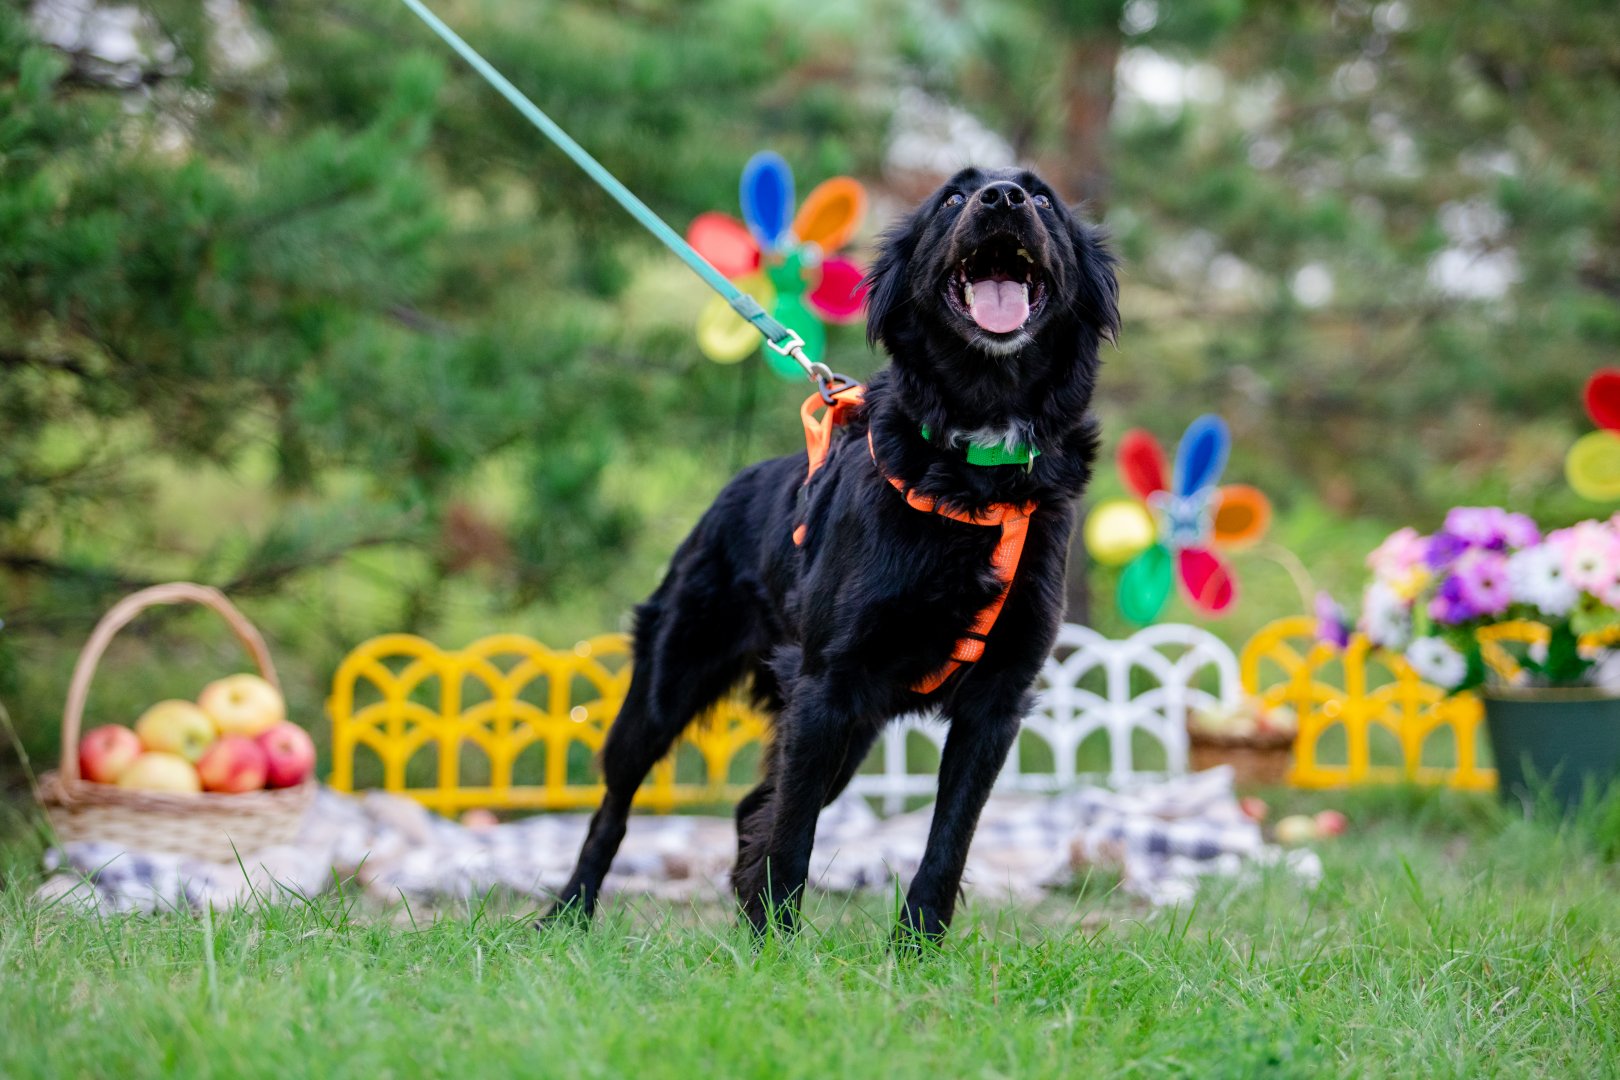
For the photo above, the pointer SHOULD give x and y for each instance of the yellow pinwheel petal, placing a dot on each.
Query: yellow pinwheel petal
(1593, 466)
(1119, 530)
(726, 337)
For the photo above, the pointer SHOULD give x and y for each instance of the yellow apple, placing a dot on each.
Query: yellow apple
(176, 727)
(242, 705)
(157, 770)
(1295, 829)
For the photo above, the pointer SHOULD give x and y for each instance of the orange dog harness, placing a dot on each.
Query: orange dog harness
(1012, 519)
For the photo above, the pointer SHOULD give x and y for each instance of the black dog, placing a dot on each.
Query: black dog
(992, 300)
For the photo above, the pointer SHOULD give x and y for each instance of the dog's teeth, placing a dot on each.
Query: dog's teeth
(1027, 257)
(1026, 292)
(967, 294)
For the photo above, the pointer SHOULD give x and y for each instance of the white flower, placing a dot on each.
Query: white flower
(1536, 576)
(1436, 662)
(1385, 617)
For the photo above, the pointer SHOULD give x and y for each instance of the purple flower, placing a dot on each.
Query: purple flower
(1331, 625)
(1478, 526)
(1449, 606)
(1482, 581)
(1519, 531)
(1443, 549)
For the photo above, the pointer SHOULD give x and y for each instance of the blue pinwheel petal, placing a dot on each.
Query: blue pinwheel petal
(1201, 457)
(767, 198)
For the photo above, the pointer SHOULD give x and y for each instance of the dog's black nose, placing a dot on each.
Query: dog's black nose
(1003, 194)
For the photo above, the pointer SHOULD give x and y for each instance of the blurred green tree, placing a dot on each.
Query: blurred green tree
(291, 226)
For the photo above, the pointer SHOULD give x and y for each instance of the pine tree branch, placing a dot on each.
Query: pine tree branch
(14, 358)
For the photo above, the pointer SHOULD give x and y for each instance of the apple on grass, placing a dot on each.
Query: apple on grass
(1295, 829)
(1254, 808)
(1331, 823)
(234, 764)
(176, 727)
(242, 705)
(158, 770)
(291, 755)
(106, 752)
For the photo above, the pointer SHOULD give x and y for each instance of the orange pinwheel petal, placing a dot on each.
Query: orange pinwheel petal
(831, 213)
(1243, 515)
(725, 242)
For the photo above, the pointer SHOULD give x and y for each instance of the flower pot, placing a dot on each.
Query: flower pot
(1558, 740)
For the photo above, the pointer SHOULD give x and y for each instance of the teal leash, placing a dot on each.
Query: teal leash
(778, 337)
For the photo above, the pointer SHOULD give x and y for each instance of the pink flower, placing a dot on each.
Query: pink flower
(1591, 554)
(1482, 581)
(1397, 555)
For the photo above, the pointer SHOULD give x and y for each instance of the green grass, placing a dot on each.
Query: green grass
(1447, 940)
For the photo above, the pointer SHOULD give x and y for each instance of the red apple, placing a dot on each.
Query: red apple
(157, 770)
(106, 752)
(234, 764)
(479, 819)
(291, 755)
(1331, 823)
(242, 705)
(176, 727)
(1254, 808)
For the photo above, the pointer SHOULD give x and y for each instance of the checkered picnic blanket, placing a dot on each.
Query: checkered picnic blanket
(1162, 838)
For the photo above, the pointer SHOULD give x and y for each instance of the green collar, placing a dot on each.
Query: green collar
(980, 454)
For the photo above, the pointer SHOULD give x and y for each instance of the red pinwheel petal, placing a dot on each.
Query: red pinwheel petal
(1603, 398)
(1141, 463)
(839, 296)
(725, 242)
(1206, 580)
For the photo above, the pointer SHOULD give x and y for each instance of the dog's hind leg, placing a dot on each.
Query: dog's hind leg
(689, 650)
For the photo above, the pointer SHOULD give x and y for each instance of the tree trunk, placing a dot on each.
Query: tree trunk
(1080, 169)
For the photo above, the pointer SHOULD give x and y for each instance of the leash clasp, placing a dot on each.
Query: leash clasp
(832, 384)
(793, 349)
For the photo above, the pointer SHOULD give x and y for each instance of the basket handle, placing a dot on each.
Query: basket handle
(119, 616)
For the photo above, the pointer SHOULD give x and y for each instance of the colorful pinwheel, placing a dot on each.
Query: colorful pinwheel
(784, 260)
(1176, 526)
(1593, 464)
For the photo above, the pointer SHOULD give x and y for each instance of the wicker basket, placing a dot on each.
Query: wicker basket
(1256, 760)
(213, 827)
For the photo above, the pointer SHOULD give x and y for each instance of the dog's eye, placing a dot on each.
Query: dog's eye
(955, 199)
(1043, 202)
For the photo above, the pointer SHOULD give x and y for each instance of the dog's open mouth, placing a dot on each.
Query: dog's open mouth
(1000, 287)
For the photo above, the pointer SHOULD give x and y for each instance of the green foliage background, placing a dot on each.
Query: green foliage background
(332, 328)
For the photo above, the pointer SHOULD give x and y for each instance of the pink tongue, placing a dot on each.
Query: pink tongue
(1000, 306)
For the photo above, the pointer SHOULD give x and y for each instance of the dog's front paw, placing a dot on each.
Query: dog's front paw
(569, 912)
(920, 930)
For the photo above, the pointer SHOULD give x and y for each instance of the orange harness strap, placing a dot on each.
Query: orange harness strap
(1013, 521)
(818, 430)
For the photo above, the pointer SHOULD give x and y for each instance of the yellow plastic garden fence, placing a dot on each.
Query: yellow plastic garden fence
(509, 696)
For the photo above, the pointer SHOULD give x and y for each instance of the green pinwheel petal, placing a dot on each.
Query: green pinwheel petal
(1145, 585)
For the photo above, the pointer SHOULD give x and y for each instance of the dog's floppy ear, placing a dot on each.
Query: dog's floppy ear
(1097, 291)
(886, 282)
